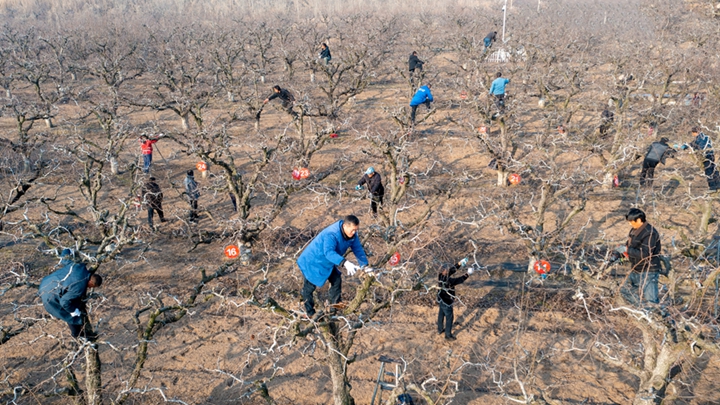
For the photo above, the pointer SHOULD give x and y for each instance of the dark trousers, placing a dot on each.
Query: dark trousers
(288, 106)
(414, 110)
(193, 209)
(374, 201)
(335, 280)
(147, 161)
(445, 312)
(500, 101)
(711, 173)
(158, 208)
(648, 172)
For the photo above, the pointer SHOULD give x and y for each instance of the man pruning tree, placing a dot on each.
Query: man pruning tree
(288, 100)
(63, 293)
(422, 96)
(657, 153)
(322, 259)
(146, 147)
(446, 297)
(374, 183)
(703, 143)
(497, 89)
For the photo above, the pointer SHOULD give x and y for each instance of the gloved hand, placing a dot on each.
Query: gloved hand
(683, 147)
(676, 146)
(358, 187)
(471, 270)
(464, 262)
(75, 313)
(351, 268)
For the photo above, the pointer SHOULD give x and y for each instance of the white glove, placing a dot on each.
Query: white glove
(351, 268)
(75, 313)
(471, 270)
(464, 262)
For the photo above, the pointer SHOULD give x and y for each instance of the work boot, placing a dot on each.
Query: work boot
(450, 338)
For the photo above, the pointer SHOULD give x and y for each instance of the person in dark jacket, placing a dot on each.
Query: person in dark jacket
(643, 252)
(414, 63)
(703, 143)
(153, 197)
(422, 96)
(374, 183)
(657, 153)
(193, 193)
(321, 260)
(325, 53)
(63, 292)
(446, 297)
(489, 39)
(288, 100)
(606, 120)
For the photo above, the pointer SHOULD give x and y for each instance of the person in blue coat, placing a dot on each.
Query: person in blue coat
(497, 89)
(422, 96)
(322, 258)
(63, 292)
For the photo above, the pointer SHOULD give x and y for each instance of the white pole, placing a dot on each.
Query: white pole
(504, 15)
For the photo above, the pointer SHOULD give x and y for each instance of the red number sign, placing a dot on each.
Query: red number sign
(232, 252)
(542, 267)
(202, 166)
(514, 179)
(296, 174)
(304, 173)
(395, 259)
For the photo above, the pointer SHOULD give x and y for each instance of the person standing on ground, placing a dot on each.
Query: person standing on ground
(146, 146)
(422, 96)
(497, 89)
(415, 63)
(322, 259)
(446, 297)
(288, 100)
(489, 39)
(374, 183)
(703, 143)
(63, 293)
(193, 193)
(153, 197)
(325, 53)
(606, 120)
(657, 153)
(643, 251)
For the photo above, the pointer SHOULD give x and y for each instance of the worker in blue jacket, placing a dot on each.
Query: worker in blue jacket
(322, 258)
(497, 89)
(422, 96)
(63, 292)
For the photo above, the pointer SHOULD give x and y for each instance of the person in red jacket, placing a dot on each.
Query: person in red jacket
(146, 145)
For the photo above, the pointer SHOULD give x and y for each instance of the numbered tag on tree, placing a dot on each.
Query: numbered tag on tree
(514, 179)
(232, 252)
(395, 259)
(333, 135)
(616, 181)
(482, 129)
(463, 95)
(542, 267)
(304, 173)
(202, 166)
(296, 174)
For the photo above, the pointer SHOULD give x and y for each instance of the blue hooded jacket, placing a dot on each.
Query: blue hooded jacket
(422, 95)
(63, 290)
(498, 86)
(326, 251)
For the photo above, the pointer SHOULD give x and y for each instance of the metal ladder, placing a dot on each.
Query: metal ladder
(381, 383)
